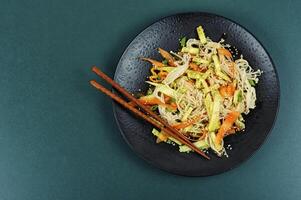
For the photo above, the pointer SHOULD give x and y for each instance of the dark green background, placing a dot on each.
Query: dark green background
(58, 137)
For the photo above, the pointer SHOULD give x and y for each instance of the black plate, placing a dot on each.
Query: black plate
(131, 73)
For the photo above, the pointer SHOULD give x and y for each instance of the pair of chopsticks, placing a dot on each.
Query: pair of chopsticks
(151, 117)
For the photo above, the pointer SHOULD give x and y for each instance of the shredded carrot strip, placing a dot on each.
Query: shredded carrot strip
(156, 101)
(173, 106)
(154, 62)
(193, 66)
(162, 137)
(168, 57)
(227, 91)
(188, 122)
(224, 52)
(166, 98)
(226, 125)
(162, 75)
(203, 136)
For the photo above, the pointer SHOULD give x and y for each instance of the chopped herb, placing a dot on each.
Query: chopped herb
(155, 107)
(149, 91)
(252, 82)
(165, 62)
(183, 41)
(239, 97)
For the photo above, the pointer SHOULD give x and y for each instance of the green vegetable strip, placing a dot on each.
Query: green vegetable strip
(190, 50)
(218, 69)
(208, 105)
(205, 85)
(252, 82)
(194, 75)
(214, 122)
(200, 61)
(201, 34)
(237, 97)
(187, 113)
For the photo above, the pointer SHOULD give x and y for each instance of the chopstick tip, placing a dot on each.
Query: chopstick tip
(94, 68)
(92, 82)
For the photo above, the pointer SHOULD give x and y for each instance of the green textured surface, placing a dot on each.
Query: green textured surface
(58, 137)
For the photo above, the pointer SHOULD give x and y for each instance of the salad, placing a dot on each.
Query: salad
(202, 91)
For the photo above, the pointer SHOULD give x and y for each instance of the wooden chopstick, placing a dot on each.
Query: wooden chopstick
(143, 116)
(136, 101)
(161, 125)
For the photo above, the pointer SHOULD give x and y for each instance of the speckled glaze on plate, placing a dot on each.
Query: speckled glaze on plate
(131, 73)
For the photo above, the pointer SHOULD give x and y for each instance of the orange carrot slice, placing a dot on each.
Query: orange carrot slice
(225, 52)
(188, 122)
(168, 57)
(227, 91)
(153, 62)
(226, 125)
(155, 101)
